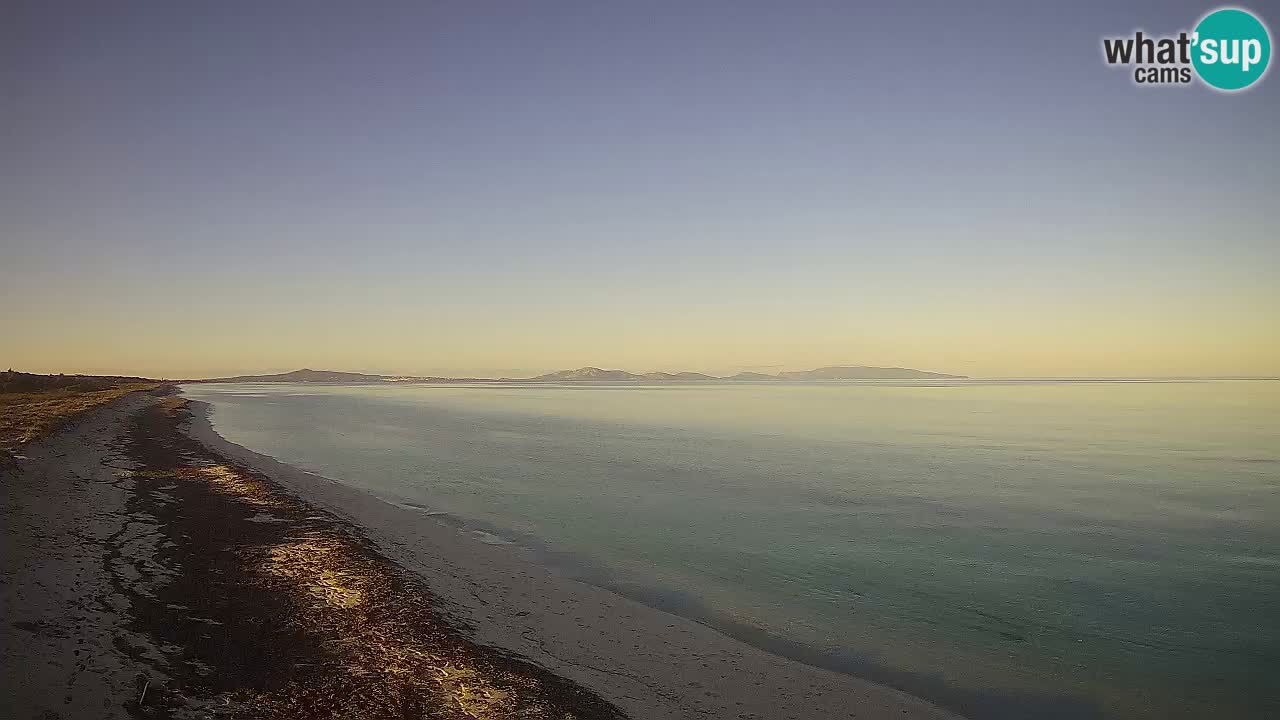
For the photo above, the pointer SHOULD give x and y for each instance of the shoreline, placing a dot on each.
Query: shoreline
(409, 532)
(148, 577)
(659, 665)
(159, 570)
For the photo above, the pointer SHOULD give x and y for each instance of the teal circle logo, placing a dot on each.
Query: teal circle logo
(1231, 49)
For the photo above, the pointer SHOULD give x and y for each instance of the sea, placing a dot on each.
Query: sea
(1005, 548)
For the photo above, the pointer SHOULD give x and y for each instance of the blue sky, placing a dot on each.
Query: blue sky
(478, 187)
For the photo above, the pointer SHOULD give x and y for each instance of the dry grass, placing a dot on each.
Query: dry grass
(26, 416)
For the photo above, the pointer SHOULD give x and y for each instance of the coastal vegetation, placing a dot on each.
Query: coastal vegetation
(32, 406)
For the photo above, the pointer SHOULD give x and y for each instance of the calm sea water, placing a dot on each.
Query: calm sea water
(1008, 549)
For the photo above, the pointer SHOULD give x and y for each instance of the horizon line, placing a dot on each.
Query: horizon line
(710, 377)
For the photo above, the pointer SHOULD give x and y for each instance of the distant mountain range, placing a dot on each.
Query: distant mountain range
(595, 374)
(307, 375)
(864, 373)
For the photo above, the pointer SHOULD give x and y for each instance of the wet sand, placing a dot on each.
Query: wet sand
(69, 543)
(160, 571)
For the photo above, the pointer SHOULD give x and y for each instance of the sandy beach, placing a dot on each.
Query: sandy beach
(156, 570)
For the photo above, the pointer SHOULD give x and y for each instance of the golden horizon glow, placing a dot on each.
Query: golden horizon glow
(177, 328)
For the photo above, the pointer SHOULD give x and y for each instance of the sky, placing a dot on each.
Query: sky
(472, 187)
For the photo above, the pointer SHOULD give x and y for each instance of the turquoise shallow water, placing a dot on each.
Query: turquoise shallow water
(1008, 549)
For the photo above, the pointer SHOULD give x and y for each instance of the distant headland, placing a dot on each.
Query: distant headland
(595, 374)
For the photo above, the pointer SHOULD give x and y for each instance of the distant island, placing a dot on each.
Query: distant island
(595, 374)
(307, 375)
